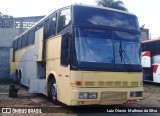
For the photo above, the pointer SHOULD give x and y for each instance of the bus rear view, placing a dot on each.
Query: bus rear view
(105, 57)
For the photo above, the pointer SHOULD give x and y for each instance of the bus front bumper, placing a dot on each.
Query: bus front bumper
(105, 96)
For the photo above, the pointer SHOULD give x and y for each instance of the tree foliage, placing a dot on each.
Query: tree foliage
(112, 4)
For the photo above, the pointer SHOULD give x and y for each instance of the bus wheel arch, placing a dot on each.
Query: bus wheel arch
(52, 88)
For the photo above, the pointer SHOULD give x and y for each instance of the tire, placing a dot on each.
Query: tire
(52, 91)
(20, 78)
(17, 77)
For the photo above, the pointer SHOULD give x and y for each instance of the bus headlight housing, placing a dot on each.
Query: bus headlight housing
(92, 96)
(136, 94)
(83, 95)
(87, 95)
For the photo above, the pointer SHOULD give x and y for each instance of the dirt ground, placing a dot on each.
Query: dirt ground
(25, 99)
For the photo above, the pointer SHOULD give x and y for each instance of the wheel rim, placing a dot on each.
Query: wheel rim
(53, 93)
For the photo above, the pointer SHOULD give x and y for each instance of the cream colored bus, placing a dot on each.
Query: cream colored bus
(81, 55)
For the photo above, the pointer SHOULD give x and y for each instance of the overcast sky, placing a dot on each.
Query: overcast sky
(147, 11)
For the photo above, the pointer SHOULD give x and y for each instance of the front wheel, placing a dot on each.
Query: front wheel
(53, 91)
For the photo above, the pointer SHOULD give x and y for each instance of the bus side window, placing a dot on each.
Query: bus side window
(64, 19)
(15, 44)
(50, 26)
(19, 43)
(65, 49)
(31, 37)
(24, 40)
(46, 29)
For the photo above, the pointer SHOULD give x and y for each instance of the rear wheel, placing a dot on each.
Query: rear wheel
(52, 91)
(17, 76)
(20, 78)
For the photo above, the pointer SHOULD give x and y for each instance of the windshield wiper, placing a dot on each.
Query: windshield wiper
(124, 57)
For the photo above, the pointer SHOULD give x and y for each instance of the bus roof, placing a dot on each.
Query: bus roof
(150, 40)
(106, 8)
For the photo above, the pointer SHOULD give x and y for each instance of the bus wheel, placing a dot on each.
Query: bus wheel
(17, 76)
(53, 91)
(20, 78)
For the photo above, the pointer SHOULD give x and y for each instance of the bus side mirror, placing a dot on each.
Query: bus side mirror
(65, 49)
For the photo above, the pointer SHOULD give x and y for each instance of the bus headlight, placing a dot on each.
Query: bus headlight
(83, 95)
(136, 94)
(92, 96)
(87, 95)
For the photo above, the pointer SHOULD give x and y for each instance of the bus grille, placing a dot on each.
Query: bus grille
(134, 84)
(125, 84)
(111, 96)
(110, 84)
(117, 84)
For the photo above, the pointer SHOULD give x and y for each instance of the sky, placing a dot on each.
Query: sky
(147, 11)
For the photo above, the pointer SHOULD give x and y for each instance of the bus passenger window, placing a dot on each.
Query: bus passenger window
(64, 19)
(50, 27)
(15, 44)
(19, 43)
(46, 29)
(65, 49)
(24, 40)
(31, 37)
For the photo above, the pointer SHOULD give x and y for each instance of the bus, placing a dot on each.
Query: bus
(151, 60)
(81, 55)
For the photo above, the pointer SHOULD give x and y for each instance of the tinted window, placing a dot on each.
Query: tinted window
(31, 36)
(50, 27)
(65, 49)
(64, 19)
(39, 26)
(95, 16)
(15, 45)
(19, 43)
(24, 40)
(126, 46)
(94, 45)
(46, 29)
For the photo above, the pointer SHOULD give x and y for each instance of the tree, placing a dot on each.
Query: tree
(112, 4)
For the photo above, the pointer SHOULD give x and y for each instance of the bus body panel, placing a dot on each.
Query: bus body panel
(110, 79)
(106, 96)
(27, 60)
(53, 47)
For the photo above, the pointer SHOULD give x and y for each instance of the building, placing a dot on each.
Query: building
(10, 28)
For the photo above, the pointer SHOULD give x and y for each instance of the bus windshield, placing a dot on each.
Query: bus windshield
(93, 47)
(104, 46)
(104, 17)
